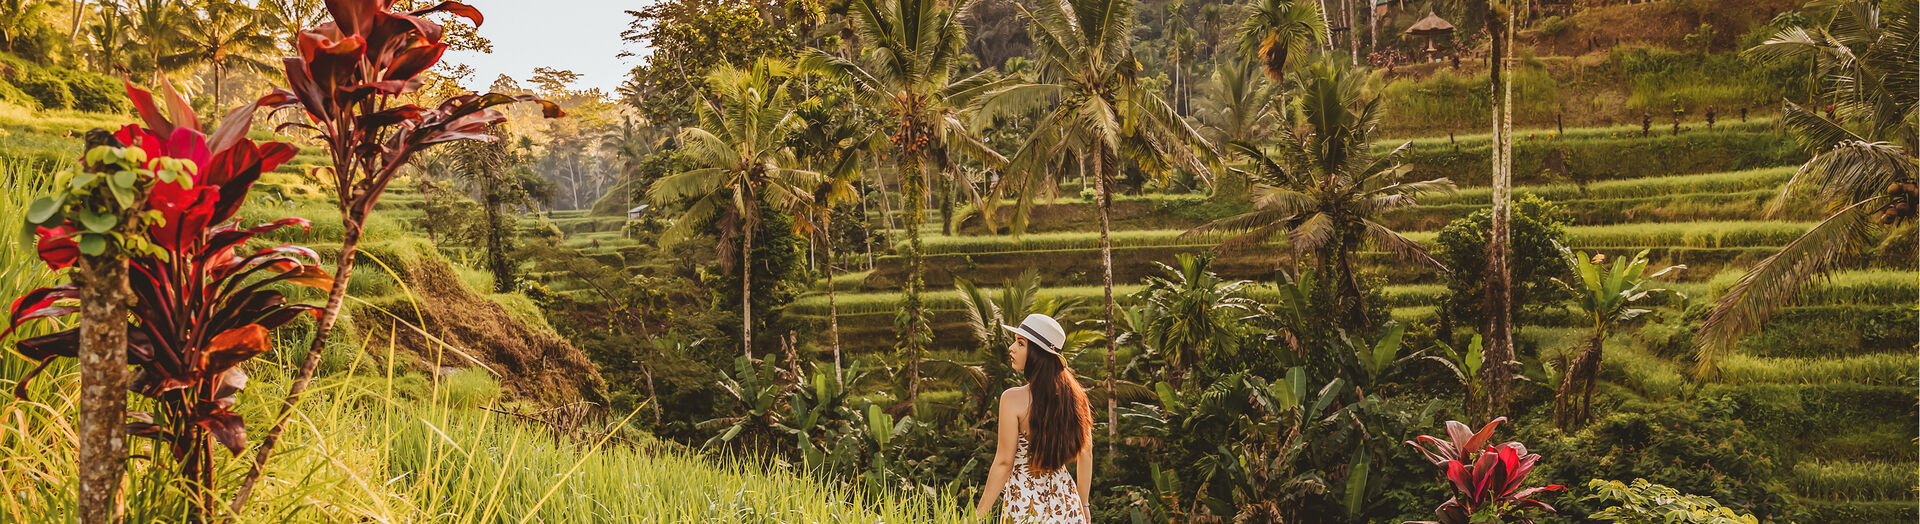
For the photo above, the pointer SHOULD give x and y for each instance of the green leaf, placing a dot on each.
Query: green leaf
(92, 244)
(1388, 347)
(81, 180)
(43, 209)
(731, 432)
(1475, 357)
(125, 178)
(122, 195)
(96, 222)
(1357, 483)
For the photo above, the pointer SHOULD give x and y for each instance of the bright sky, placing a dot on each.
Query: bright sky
(579, 35)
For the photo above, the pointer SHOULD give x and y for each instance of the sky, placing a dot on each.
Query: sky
(578, 35)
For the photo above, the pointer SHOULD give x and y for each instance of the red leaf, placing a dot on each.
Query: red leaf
(226, 427)
(57, 247)
(410, 63)
(177, 107)
(457, 8)
(45, 347)
(232, 347)
(149, 112)
(185, 214)
(238, 121)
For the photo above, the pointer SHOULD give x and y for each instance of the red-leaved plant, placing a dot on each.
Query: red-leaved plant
(202, 305)
(347, 81)
(1486, 479)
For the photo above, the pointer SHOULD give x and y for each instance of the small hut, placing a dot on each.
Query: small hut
(1430, 27)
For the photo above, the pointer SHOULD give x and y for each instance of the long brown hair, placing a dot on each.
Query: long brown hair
(1059, 422)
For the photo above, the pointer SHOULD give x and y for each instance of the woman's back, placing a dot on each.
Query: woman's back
(1044, 427)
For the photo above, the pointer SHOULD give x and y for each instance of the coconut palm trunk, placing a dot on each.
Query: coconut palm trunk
(746, 285)
(833, 306)
(1103, 177)
(1499, 335)
(104, 296)
(913, 203)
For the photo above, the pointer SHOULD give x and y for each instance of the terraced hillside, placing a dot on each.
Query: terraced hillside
(1843, 357)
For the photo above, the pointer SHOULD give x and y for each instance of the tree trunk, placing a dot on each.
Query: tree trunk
(103, 385)
(1373, 28)
(746, 290)
(216, 84)
(1103, 177)
(1353, 37)
(946, 206)
(79, 14)
(833, 308)
(349, 247)
(1499, 349)
(913, 200)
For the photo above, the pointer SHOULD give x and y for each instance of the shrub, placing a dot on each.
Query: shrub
(1648, 503)
(13, 95)
(47, 89)
(1706, 450)
(93, 92)
(1536, 225)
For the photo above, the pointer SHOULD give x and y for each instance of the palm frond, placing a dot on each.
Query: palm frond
(1773, 283)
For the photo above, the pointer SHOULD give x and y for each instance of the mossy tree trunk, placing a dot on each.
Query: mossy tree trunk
(104, 296)
(1499, 335)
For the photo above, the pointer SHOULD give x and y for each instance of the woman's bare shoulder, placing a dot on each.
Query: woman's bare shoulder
(1016, 394)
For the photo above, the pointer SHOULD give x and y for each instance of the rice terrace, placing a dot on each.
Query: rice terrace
(946, 261)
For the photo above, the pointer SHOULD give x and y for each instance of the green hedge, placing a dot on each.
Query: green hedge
(46, 89)
(1608, 158)
(1769, 178)
(1834, 331)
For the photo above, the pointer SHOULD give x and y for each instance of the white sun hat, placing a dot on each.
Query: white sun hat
(1042, 331)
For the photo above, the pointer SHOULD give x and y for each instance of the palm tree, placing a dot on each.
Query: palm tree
(629, 147)
(1323, 187)
(1863, 166)
(156, 23)
(744, 163)
(1193, 311)
(1608, 297)
(18, 18)
(912, 48)
(1277, 31)
(1088, 78)
(832, 141)
(108, 38)
(223, 35)
(1237, 104)
(285, 18)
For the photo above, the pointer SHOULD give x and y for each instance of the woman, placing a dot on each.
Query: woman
(1043, 426)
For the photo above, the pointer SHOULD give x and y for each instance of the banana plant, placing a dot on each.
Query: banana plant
(758, 391)
(1465, 366)
(1608, 297)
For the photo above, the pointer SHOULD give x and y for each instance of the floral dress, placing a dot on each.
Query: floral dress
(1040, 499)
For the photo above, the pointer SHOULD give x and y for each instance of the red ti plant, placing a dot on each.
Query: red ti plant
(1486, 479)
(347, 81)
(201, 301)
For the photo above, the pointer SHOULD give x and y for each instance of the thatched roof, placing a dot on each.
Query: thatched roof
(1432, 25)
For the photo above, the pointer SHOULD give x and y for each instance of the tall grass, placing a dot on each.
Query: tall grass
(1878, 369)
(1682, 234)
(1724, 182)
(1876, 286)
(1401, 296)
(1839, 480)
(377, 443)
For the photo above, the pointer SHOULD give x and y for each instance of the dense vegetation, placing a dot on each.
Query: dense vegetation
(762, 280)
